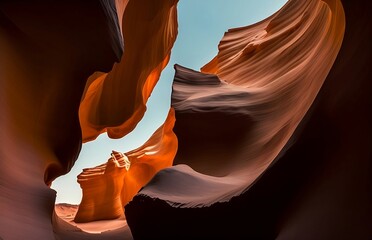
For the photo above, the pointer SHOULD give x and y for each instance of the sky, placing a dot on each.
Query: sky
(201, 25)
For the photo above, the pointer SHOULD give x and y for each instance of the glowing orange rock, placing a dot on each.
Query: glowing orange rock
(115, 101)
(107, 188)
(101, 190)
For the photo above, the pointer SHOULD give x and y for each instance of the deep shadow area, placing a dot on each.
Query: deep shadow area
(233, 126)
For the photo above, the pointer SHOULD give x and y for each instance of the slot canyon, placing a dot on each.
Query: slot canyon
(269, 139)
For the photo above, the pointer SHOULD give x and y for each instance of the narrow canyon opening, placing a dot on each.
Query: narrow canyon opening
(200, 28)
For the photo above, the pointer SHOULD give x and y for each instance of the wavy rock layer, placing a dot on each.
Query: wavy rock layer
(236, 127)
(107, 188)
(318, 187)
(115, 102)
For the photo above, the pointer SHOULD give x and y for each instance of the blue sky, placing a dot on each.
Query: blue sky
(202, 24)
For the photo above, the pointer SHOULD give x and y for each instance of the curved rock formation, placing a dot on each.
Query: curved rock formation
(235, 127)
(318, 186)
(107, 188)
(149, 31)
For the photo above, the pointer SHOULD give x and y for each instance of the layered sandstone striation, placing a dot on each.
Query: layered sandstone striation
(235, 117)
(107, 188)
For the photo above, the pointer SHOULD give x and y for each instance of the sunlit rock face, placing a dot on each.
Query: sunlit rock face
(101, 187)
(234, 121)
(277, 66)
(115, 102)
(149, 31)
(237, 119)
(107, 188)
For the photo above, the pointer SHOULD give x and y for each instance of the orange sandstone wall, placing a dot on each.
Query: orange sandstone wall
(114, 102)
(107, 188)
